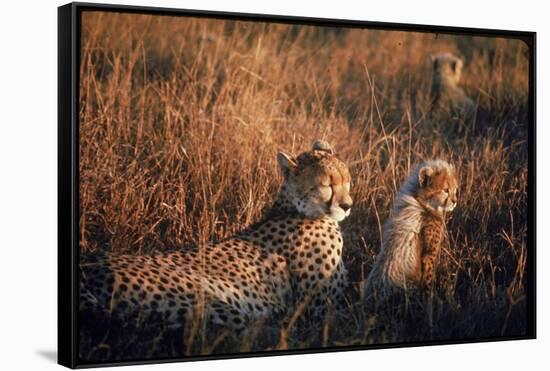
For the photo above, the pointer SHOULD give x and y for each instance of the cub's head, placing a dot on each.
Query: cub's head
(447, 67)
(436, 185)
(317, 183)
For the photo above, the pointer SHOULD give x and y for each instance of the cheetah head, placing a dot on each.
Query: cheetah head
(316, 182)
(447, 67)
(437, 185)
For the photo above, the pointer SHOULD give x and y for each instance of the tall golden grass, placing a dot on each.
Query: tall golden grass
(181, 119)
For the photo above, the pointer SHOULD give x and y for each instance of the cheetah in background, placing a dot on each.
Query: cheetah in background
(446, 95)
(293, 253)
(413, 235)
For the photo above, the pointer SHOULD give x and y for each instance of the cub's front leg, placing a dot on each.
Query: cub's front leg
(432, 237)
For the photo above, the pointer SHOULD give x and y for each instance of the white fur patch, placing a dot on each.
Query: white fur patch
(338, 213)
(450, 207)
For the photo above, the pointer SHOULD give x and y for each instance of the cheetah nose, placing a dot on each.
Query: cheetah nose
(345, 206)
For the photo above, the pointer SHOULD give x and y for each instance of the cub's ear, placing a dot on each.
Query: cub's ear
(424, 176)
(457, 67)
(434, 60)
(287, 163)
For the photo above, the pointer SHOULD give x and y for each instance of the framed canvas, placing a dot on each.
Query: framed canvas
(235, 185)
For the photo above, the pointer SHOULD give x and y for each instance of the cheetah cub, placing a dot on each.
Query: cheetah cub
(293, 252)
(413, 235)
(446, 94)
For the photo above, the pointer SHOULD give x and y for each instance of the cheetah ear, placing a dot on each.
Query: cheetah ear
(287, 163)
(321, 145)
(457, 67)
(424, 176)
(434, 60)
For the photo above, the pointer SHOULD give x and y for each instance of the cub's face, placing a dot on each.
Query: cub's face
(447, 66)
(317, 183)
(438, 186)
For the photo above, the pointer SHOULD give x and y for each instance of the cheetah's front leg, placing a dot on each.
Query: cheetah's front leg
(331, 293)
(432, 237)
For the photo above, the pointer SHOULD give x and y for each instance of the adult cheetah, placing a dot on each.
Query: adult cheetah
(292, 253)
(413, 235)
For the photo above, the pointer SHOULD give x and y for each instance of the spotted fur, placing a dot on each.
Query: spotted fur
(292, 254)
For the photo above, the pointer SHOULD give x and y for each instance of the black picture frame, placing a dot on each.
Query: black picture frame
(69, 18)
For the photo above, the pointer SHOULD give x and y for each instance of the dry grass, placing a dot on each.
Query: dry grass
(181, 119)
